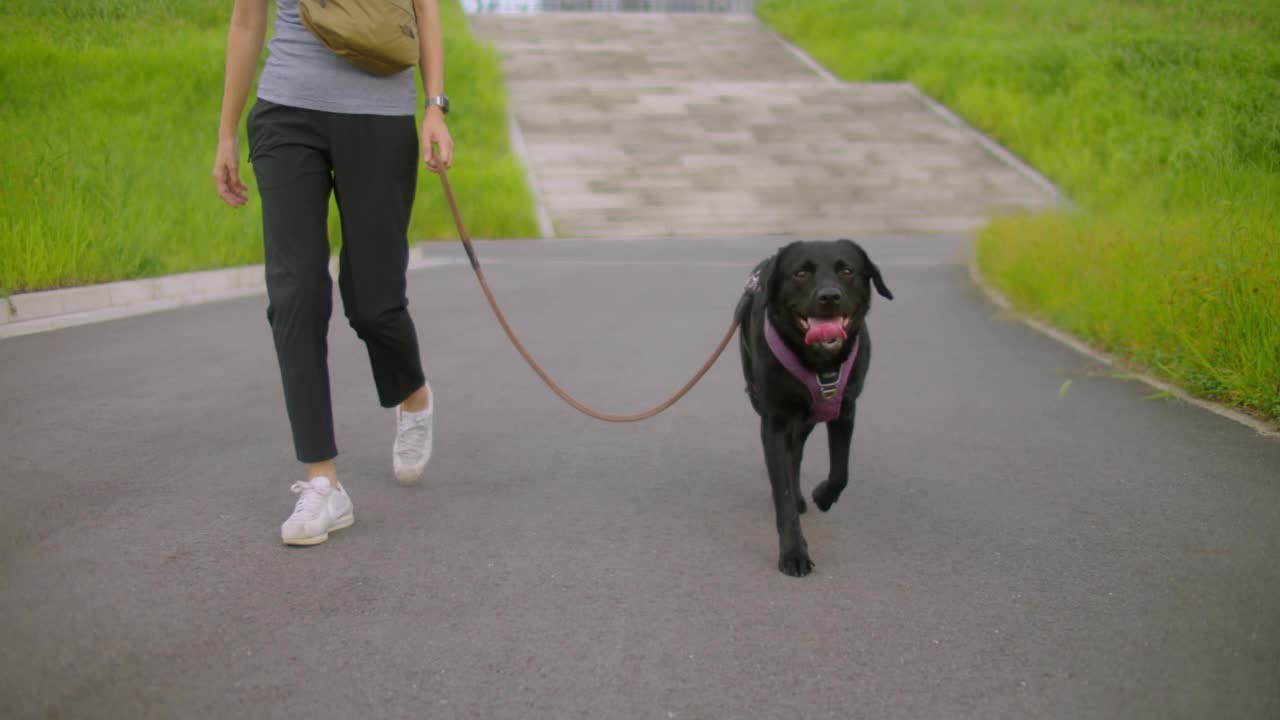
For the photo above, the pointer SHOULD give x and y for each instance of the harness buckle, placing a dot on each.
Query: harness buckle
(828, 387)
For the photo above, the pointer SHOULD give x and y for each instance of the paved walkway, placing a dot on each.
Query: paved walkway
(683, 125)
(1004, 550)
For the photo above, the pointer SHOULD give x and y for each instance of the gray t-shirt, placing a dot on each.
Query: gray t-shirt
(302, 72)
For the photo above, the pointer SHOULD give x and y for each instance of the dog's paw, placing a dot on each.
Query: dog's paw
(795, 563)
(824, 497)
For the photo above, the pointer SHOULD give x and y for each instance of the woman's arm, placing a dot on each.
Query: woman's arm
(245, 36)
(431, 50)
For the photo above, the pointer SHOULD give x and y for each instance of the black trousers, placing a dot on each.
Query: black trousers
(370, 165)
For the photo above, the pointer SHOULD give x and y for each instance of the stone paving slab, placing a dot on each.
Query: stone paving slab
(698, 125)
(625, 47)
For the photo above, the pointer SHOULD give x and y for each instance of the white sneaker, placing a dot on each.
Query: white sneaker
(412, 448)
(321, 509)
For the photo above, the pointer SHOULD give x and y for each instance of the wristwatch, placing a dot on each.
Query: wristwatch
(441, 100)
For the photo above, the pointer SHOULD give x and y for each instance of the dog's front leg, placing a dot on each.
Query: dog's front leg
(797, 459)
(779, 440)
(839, 438)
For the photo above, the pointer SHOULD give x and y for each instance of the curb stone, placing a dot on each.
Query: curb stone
(45, 310)
(1262, 427)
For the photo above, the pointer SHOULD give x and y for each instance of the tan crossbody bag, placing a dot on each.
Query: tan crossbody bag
(378, 36)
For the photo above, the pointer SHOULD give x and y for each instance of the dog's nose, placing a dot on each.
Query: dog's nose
(829, 296)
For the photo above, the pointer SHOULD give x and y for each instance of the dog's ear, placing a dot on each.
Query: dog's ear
(872, 271)
(878, 281)
(774, 279)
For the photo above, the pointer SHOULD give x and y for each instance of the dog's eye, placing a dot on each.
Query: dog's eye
(845, 272)
(802, 274)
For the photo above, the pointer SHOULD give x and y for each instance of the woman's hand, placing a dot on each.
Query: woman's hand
(226, 173)
(244, 47)
(435, 136)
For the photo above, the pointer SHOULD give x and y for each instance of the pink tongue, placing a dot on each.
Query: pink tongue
(822, 331)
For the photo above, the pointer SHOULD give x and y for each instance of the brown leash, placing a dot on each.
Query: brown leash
(608, 417)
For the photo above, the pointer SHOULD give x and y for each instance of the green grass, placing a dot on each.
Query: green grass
(1161, 118)
(109, 113)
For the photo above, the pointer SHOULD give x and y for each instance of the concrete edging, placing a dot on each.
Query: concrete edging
(516, 138)
(990, 145)
(35, 312)
(1262, 427)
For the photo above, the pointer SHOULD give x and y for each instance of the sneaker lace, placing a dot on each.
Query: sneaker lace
(413, 436)
(309, 500)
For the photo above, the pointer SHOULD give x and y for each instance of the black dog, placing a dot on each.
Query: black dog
(805, 354)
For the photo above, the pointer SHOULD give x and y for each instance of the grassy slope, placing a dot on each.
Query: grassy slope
(1160, 117)
(108, 110)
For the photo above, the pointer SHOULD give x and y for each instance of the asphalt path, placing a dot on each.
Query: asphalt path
(1005, 548)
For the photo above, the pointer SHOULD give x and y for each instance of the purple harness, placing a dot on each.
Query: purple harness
(827, 396)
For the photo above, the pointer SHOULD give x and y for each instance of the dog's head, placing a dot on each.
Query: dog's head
(822, 291)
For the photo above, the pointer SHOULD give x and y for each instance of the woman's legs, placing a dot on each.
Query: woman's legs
(291, 161)
(375, 164)
(370, 163)
(417, 402)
